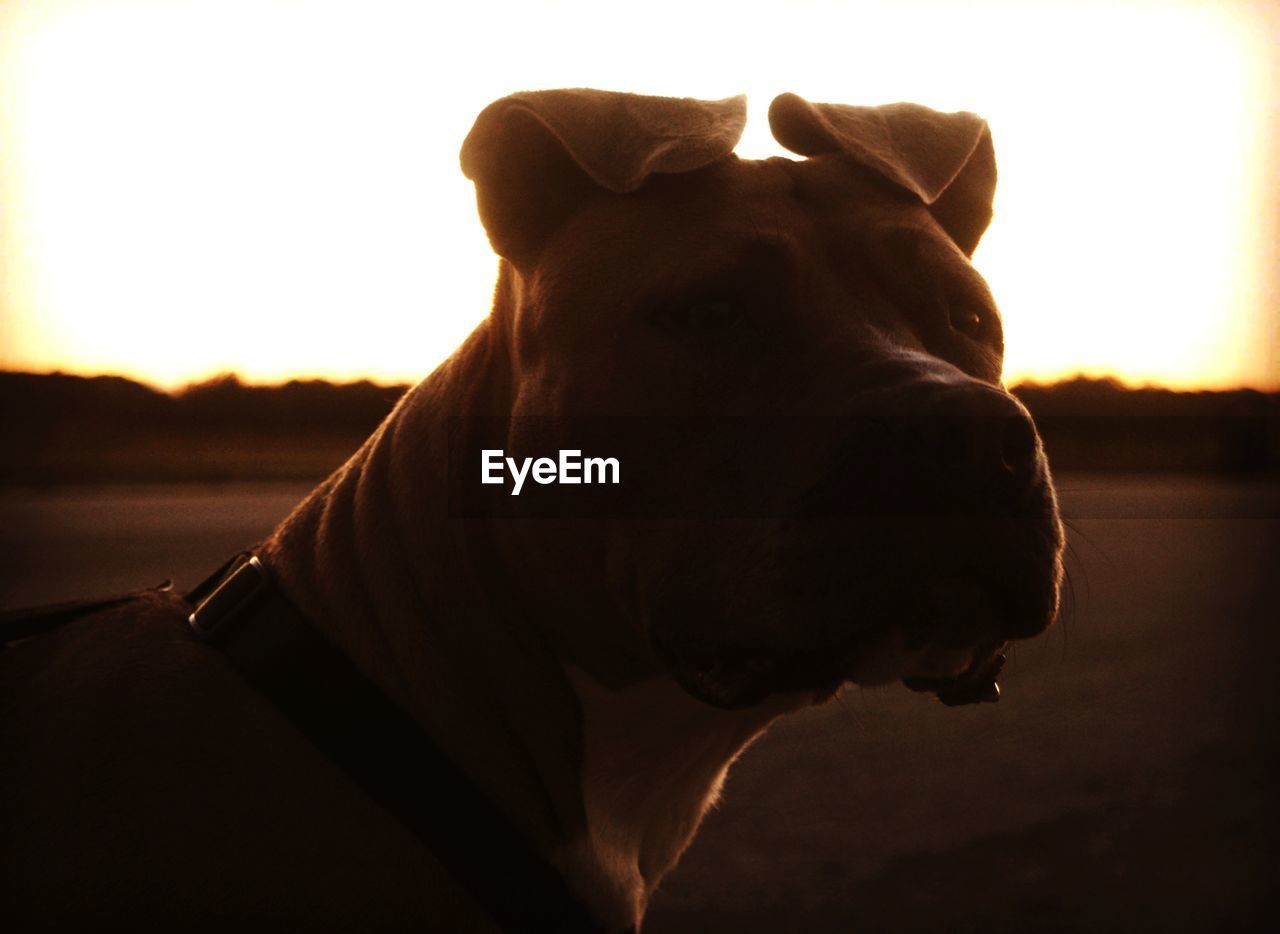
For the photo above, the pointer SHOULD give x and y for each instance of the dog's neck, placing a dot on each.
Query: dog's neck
(611, 783)
(653, 763)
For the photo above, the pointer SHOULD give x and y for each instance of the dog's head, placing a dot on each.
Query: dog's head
(844, 490)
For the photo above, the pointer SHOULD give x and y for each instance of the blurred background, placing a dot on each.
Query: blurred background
(232, 232)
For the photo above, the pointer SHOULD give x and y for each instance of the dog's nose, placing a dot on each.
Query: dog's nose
(1017, 444)
(984, 433)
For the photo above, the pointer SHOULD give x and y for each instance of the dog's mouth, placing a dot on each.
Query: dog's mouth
(956, 654)
(931, 601)
(734, 678)
(975, 684)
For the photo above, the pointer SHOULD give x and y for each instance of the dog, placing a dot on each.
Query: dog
(838, 490)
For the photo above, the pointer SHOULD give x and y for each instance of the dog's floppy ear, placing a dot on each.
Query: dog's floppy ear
(537, 155)
(946, 159)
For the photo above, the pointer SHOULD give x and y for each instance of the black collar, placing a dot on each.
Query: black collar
(383, 749)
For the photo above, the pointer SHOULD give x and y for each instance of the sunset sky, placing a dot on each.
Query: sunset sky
(271, 187)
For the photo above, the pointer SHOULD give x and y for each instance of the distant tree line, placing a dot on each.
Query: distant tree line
(1100, 424)
(223, 401)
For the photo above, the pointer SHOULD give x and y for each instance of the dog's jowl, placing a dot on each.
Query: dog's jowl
(399, 712)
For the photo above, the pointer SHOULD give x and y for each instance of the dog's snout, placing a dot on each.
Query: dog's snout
(986, 434)
(1017, 445)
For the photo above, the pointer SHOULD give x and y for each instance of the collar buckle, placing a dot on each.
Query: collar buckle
(240, 585)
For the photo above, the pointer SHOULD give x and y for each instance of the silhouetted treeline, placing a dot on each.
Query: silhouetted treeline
(1099, 424)
(71, 429)
(29, 398)
(57, 428)
(1108, 397)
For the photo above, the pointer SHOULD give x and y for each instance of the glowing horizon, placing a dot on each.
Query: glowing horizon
(271, 188)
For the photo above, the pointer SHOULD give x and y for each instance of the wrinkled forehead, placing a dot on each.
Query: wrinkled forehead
(836, 190)
(827, 204)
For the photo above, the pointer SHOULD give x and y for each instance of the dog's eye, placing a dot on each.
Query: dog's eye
(707, 317)
(967, 321)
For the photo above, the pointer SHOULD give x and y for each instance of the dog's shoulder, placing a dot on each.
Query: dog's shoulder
(138, 774)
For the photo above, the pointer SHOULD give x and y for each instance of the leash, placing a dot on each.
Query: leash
(28, 622)
(240, 612)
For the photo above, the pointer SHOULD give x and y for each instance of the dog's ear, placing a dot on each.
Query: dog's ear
(536, 156)
(946, 159)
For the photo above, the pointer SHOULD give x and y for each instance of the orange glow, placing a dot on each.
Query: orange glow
(271, 187)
